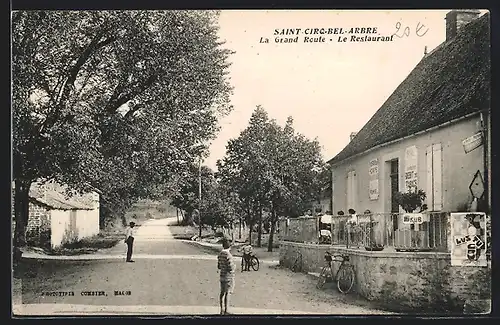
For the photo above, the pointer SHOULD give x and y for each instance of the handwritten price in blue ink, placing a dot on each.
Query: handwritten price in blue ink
(404, 31)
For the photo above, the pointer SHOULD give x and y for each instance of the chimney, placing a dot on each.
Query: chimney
(353, 134)
(456, 19)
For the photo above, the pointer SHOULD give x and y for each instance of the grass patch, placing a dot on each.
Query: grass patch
(187, 232)
(103, 240)
(88, 245)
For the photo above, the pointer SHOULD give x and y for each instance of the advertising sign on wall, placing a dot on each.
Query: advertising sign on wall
(411, 158)
(473, 142)
(373, 174)
(414, 218)
(468, 239)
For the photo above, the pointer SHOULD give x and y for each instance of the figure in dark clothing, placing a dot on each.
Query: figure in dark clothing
(129, 240)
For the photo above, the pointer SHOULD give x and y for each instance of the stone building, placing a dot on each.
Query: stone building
(58, 218)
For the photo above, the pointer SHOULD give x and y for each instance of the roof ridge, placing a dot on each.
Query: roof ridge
(58, 198)
(444, 74)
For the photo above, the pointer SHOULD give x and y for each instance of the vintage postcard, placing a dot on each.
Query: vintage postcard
(240, 162)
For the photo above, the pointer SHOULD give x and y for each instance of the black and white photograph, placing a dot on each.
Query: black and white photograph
(229, 163)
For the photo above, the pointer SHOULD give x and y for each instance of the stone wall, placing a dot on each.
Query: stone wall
(38, 218)
(404, 281)
(38, 226)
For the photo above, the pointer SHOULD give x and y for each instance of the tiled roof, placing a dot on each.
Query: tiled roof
(450, 82)
(54, 197)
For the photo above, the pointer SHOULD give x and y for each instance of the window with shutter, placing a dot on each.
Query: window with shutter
(434, 191)
(354, 190)
(348, 191)
(351, 190)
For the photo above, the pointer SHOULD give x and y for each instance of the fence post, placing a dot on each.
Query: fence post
(371, 232)
(331, 231)
(348, 232)
(385, 236)
(318, 219)
(302, 236)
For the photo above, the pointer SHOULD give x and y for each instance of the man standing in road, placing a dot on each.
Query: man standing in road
(227, 268)
(129, 240)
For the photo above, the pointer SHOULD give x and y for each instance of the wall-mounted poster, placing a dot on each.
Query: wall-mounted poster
(468, 239)
(473, 142)
(411, 158)
(373, 174)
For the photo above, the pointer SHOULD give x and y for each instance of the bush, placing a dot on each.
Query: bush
(41, 240)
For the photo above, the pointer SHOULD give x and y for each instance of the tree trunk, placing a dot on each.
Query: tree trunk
(271, 233)
(189, 218)
(239, 232)
(199, 226)
(184, 218)
(103, 216)
(250, 233)
(249, 224)
(21, 210)
(259, 227)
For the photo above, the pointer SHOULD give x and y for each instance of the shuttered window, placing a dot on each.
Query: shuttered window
(434, 177)
(351, 190)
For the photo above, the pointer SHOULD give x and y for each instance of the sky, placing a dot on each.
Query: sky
(330, 89)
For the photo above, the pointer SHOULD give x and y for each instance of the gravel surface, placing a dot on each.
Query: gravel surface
(179, 282)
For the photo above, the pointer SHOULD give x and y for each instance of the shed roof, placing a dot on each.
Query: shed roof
(450, 82)
(53, 196)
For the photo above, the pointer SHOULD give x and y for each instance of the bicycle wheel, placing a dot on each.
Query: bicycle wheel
(321, 279)
(345, 279)
(254, 263)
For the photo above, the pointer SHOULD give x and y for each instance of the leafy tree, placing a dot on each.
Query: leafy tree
(218, 210)
(187, 197)
(244, 169)
(273, 168)
(113, 100)
(296, 163)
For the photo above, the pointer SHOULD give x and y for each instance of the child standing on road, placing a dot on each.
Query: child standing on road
(226, 266)
(247, 254)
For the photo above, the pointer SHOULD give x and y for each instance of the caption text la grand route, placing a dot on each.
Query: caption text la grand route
(324, 35)
(338, 34)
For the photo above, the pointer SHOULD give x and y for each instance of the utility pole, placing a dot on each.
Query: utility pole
(199, 197)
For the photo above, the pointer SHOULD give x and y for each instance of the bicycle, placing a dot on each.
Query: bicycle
(254, 262)
(344, 275)
(297, 264)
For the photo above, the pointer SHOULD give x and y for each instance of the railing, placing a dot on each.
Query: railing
(302, 229)
(376, 231)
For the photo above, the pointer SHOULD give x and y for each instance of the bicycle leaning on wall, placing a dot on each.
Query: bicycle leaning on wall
(344, 275)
